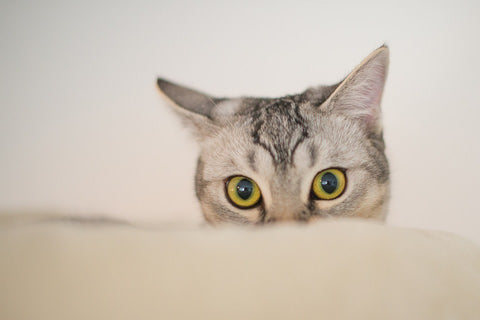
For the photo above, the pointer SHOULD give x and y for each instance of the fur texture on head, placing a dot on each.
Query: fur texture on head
(282, 144)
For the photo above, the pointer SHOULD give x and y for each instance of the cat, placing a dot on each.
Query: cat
(317, 154)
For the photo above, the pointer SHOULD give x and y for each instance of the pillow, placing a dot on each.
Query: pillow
(327, 270)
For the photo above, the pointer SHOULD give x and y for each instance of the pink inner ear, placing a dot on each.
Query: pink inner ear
(373, 92)
(362, 92)
(378, 81)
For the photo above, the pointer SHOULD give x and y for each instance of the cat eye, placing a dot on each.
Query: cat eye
(243, 192)
(329, 184)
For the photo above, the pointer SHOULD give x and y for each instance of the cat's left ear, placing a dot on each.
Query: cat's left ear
(360, 94)
(193, 107)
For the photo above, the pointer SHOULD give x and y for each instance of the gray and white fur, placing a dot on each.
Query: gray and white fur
(282, 143)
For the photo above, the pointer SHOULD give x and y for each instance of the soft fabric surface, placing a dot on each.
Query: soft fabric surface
(328, 270)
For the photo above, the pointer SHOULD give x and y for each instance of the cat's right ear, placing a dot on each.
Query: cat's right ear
(194, 108)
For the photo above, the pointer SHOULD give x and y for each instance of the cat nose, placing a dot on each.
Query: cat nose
(275, 216)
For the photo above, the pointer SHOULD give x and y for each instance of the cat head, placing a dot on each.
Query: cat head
(301, 157)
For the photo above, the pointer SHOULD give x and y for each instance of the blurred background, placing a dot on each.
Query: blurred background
(83, 129)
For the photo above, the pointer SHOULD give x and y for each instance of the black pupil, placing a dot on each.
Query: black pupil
(244, 189)
(329, 182)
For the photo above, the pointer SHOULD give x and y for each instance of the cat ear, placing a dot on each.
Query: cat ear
(195, 108)
(360, 94)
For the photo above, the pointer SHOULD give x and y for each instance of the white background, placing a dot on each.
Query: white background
(83, 129)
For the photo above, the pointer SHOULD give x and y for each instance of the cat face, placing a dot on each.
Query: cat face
(313, 155)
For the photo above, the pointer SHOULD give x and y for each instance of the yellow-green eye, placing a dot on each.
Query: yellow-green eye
(329, 184)
(243, 192)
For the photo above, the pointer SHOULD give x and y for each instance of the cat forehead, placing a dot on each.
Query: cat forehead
(277, 125)
(281, 127)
